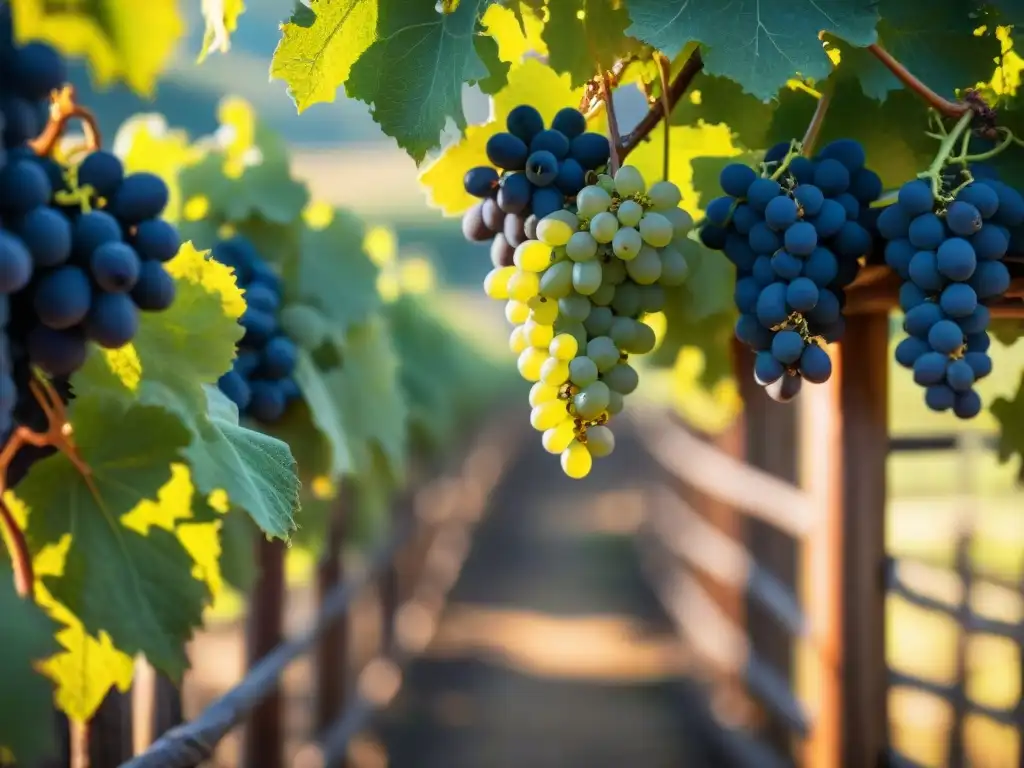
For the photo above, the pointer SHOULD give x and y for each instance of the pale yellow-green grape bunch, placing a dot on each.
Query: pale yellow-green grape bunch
(577, 297)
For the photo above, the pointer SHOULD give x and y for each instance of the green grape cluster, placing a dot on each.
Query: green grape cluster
(577, 297)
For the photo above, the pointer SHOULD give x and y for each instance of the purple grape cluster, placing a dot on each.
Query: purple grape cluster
(261, 382)
(82, 249)
(534, 170)
(949, 254)
(795, 233)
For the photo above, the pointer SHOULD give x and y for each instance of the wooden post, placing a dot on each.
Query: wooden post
(331, 654)
(844, 451)
(771, 445)
(264, 735)
(156, 705)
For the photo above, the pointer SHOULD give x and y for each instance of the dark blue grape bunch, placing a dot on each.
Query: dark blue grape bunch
(261, 382)
(534, 171)
(948, 251)
(795, 233)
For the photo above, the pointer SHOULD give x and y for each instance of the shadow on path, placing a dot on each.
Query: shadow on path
(553, 652)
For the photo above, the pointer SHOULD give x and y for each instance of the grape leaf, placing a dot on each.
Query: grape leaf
(528, 83)
(582, 35)
(85, 668)
(324, 412)
(221, 17)
(938, 46)
(26, 697)
(107, 34)
(237, 560)
(517, 34)
(136, 587)
(368, 390)
(256, 470)
(412, 74)
(758, 43)
(1010, 415)
(334, 273)
(1011, 11)
(315, 54)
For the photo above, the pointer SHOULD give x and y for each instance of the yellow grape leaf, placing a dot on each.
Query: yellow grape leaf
(128, 40)
(501, 24)
(146, 143)
(316, 55)
(528, 83)
(221, 20)
(685, 143)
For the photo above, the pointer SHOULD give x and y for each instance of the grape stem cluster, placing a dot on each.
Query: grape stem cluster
(63, 109)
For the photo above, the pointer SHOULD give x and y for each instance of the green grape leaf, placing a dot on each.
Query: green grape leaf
(325, 414)
(413, 73)
(1010, 415)
(237, 559)
(1010, 11)
(497, 70)
(138, 588)
(368, 390)
(372, 489)
(335, 275)
(710, 282)
(107, 34)
(938, 46)
(758, 43)
(1005, 330)
(221, 17)
(306, 325)
(583, 35)
(257, 471)
(26, 697)
(302, 15)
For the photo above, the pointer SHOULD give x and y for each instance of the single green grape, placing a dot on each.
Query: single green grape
(523, 286)
(517, 340)
(606, 182)
(548, 415)
(656, 230)
(591, 201)
(630, 212)
(538, 335)
(532, 256)
(586, 277)
(645, 269)
(652, 298)
(603, 296)
(643, 341)
(554, 371)
(599, 322)
(674, 269)
(496, 282)
(529, 363)
(682, 222)
(556, 281)
(574, 307)
(581, 246)
(604, 226)
(600, 441)
(664, 195)
(603, 352)
(582, 371)
(591, 401)
(517, 312)
(627, 299)
(542, 393)
(629, 181)
(616, 402)
(574, 329)
(627, 243)
(623, 332)
(558, 438)
(614, 271)
(623, 378)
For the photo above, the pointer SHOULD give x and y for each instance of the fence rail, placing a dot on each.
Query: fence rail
(700, 567)
(434, 530)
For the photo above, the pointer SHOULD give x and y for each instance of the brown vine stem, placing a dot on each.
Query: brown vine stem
(63, 109)
(613, 123)
(665, 76)
(663, 107)
(813, 131)
(21, 558)
(951, 109)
